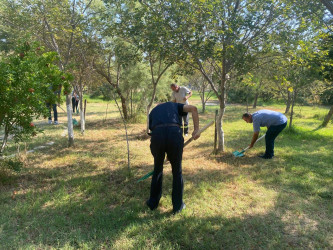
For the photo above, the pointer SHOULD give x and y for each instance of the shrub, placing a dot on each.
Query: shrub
(29, 77)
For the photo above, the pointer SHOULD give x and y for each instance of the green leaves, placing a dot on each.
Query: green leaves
(28, 79)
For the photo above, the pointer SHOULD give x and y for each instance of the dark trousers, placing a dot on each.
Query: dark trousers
(167, 140)
(185, 127)
(271, 134)
(55, 112)
(75, 104)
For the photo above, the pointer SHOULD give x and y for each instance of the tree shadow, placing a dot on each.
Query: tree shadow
(80, 204)
(105, 208)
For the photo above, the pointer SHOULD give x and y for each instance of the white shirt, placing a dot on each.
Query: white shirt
(179, 96)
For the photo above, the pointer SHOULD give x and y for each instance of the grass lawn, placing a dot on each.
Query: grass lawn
(84, 197)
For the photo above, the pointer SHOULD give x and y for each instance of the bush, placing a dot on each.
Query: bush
(239, 95)
(29, 78)
(105, 91)
(327, 97)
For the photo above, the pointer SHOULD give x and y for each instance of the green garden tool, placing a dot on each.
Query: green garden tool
(75, 122)
(241, 153)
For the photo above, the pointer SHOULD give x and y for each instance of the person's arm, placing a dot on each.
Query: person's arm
(189, 95)
(254, 139)
(195, 117)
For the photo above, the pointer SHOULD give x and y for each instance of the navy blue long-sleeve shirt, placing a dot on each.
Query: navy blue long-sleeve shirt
(166, 113)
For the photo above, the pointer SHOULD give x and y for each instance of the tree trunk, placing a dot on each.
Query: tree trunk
(124, 121)
(219, 127)
(215, 132)
(82, 118)
(84, 109)
(124, 107)
(255, 100)
(70, 121)
(292, 108)
(123, 103)
(131, 103)
(202, 97)
(328, 117)
(154, 82)
(288, 102)
(5, 138)
(222, 99)
(150, 104)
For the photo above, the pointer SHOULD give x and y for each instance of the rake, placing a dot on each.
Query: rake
(241, 153)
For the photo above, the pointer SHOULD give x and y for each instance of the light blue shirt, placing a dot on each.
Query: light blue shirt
(267, 118)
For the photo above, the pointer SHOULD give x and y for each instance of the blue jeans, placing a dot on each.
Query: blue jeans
(55, 112)
(167, 140)
(271, 134)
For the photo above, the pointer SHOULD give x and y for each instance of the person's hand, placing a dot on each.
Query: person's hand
(185, 98)
(196, 134)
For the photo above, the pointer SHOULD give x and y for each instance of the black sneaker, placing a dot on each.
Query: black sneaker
(181, 208)
(151, 207)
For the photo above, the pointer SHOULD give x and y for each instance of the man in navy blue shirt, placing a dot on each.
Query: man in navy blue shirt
(166, 137)
(275, 123)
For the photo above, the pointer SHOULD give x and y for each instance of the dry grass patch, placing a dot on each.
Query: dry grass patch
(85, 197)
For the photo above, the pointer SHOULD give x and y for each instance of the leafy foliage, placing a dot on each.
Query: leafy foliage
(29, 77)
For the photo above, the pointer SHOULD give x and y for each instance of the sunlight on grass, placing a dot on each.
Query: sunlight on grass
(84, 197)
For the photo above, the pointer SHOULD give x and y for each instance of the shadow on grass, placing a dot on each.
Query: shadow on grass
(311, 134)
(80, 205)
(108, 208)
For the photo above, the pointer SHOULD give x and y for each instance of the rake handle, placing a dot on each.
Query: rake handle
(200, 131)
(255, 142)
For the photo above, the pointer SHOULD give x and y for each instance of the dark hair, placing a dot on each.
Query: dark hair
(246, 115)
(173, 85)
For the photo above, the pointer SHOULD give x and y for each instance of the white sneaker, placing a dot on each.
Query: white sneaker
(56, 123)
(50, 122)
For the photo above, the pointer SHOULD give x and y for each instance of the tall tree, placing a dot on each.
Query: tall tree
(28, 79)
(329, 5)
(327, 63)
(227, 34)
(303, 70)
(55, 24)
(114, 56)
(142, 29)
(199, 82)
